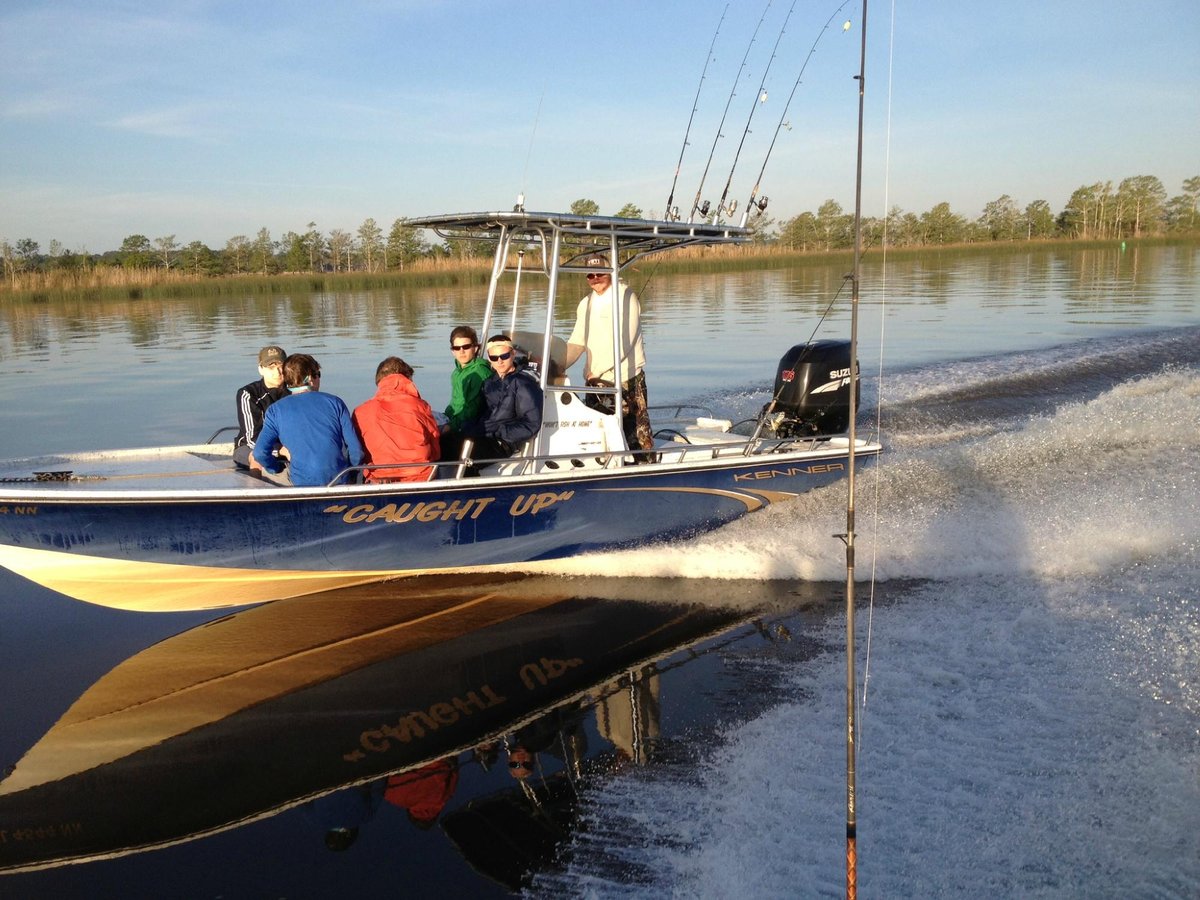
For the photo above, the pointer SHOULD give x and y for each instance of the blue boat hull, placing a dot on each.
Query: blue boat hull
(189, 550)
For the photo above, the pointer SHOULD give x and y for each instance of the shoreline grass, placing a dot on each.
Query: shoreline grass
(110, 283)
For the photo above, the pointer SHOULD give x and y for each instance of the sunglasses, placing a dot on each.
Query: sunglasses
(457, 347)
(594, 275)
(520, 765)
(500, 356)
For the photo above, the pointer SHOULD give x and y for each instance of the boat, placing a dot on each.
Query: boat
(180, 527)
(336, 691)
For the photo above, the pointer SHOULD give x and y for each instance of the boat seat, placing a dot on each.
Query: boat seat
(709, 431)
(579, 436)
(511, 466)
(587, 437)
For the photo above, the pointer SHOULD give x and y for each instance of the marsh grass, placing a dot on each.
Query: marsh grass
(111, 283)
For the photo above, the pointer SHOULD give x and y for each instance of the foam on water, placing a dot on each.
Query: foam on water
(1093, 485)
(1032, 724)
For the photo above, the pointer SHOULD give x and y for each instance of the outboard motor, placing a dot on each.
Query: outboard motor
(812, 390)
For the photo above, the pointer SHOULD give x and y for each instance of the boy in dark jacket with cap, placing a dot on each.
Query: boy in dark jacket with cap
(253, 400)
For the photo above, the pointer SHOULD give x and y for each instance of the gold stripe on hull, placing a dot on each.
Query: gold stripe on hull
(165, 587)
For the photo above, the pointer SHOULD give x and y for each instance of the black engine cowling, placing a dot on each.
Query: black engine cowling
(812, 390)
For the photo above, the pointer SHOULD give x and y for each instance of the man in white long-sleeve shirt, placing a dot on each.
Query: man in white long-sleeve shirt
(593, 335)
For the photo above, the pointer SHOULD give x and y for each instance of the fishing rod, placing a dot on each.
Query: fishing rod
(696, 207)
(851, 684)
(761, 205)
(672, 214)
(759, 99)
(520, 204)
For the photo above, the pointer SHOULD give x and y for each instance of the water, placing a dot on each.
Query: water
(1032, 718)
(1032, 713)
(145, 372)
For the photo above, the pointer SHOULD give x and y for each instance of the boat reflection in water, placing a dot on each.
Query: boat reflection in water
(336, 702)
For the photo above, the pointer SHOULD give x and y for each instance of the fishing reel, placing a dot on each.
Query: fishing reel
(754, 208)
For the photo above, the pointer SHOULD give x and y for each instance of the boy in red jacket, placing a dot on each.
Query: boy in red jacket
(397, 426)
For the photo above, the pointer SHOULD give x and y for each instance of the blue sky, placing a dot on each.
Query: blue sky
(207, 120)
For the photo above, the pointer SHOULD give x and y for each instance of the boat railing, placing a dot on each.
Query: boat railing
(678, 409)
(676, 448)
(221, 431)
(517, 465)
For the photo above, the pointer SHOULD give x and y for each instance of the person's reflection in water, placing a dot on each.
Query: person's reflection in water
(628, 714)
(424, 792)
(557, 733)
(340, 815)
(521, 762)
(519, 829)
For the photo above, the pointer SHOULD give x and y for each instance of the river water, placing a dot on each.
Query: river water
(1031, 723)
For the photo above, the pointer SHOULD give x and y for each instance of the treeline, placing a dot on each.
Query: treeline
(367, 250)
(1139, 206)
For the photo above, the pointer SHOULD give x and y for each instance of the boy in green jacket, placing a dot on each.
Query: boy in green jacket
(471, 370)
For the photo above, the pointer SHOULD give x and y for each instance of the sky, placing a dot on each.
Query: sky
(207, 120)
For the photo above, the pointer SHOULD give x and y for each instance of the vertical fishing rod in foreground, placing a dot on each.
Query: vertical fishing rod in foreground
(851, 685)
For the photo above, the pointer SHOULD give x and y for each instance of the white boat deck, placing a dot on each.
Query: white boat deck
(200, 467)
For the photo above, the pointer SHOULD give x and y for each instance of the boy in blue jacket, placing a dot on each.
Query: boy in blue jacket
(312, 430)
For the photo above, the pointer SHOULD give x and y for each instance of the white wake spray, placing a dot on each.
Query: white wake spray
(1090, 487)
